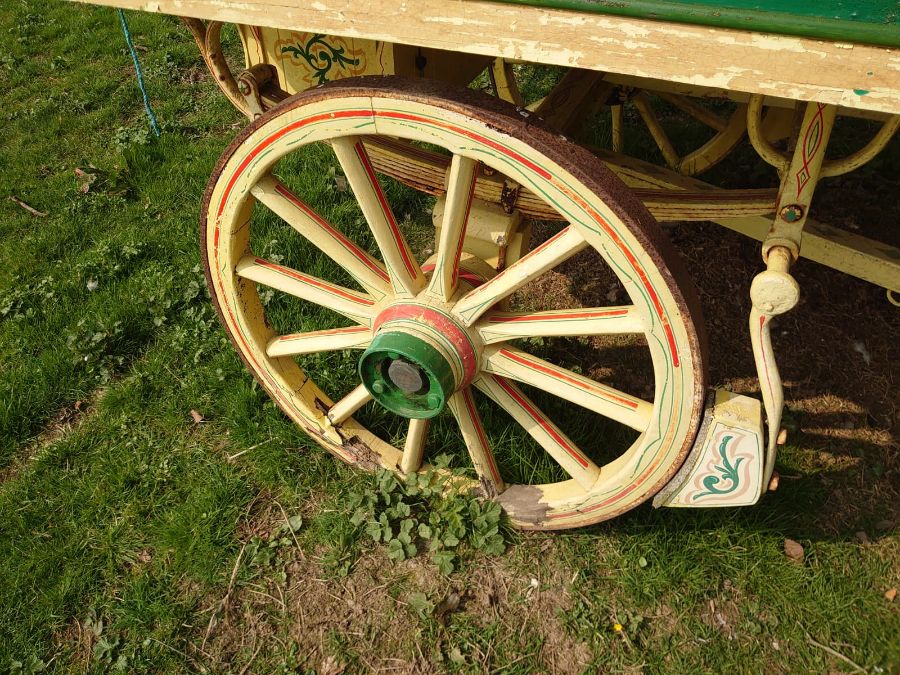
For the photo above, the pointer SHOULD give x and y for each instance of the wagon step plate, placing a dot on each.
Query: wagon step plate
(725, 466)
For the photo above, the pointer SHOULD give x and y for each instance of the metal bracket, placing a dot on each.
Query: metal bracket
(496, 236)
(250, 82)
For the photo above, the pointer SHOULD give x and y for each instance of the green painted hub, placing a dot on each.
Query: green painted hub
(406, 375)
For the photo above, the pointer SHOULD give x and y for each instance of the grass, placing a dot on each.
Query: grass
(133, 537)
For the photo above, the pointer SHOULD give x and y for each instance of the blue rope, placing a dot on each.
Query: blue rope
(140, 74)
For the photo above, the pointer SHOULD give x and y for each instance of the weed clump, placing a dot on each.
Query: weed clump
(427, 512)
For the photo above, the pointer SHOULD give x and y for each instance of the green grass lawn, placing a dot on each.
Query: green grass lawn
(133, 537)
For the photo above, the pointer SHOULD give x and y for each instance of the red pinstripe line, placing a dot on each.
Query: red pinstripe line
(357, 252)
(542, 421)
(473, 416)
(464, 274)
(571, 380)
(457, 337)
(299, 276)
(349, 330)
(635, 265)
(570, 315)
(386, 209)
(462, 236)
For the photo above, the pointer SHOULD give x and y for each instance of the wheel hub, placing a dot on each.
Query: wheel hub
(417, 359)
(406, 374)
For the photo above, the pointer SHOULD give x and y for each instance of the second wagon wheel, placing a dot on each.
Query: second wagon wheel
(429, 335)
(692, 133)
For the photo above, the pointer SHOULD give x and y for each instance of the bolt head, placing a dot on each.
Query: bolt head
(433, 400)
(378, 387)
(791, 213)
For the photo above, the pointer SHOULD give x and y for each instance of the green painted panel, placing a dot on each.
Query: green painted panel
(859, 21)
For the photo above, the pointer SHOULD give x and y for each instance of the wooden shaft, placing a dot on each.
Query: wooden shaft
(663, 142)
(458, 204)
(549, 254)
(559, 446)
(462, 405)
(331, 339)
(402, 267)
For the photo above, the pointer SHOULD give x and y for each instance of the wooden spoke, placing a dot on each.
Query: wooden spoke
(504, 80)
(642, 103)
(698, 112)
(348, 405)
(414, 447)
(406, 277)
(549, 254)
(460, 190)
(356, 306)
(616, 115)
(518, 365)
(370, 273)
(502, 326)
(319, 341)
(509, 397)
(463, 406)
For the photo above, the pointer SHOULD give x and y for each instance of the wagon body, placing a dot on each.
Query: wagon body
(785, 70)
(853, 62)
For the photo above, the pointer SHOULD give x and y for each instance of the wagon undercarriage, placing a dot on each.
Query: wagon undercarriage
(428, 333)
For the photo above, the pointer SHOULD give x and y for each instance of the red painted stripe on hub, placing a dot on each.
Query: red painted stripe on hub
(455, 334)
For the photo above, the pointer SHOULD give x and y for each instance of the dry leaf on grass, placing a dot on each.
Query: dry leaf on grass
(197, 417)
(793, 550)
(890, 594)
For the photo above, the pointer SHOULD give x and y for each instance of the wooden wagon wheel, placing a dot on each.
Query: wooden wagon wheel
(429, 339)
(588, 89)
(728, 130)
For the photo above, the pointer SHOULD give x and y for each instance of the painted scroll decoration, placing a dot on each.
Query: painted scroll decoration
(322, 58)
(728, 473)
(725, 467)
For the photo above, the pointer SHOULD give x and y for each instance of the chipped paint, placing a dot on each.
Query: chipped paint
(523, 504)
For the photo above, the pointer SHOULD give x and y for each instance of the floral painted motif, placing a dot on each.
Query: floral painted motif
(324, 57)
(727, 472)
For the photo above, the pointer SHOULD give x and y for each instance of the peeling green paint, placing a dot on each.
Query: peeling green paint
(860, 92)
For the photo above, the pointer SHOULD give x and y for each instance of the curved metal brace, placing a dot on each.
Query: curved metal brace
(830, 167)
(769, 153)
(837, 167)
(209, 40)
